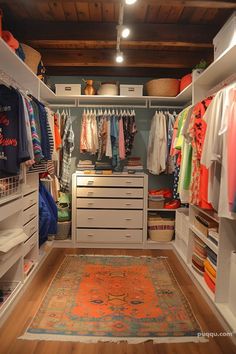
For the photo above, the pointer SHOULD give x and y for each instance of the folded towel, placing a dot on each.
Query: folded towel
(213, 279)
(211, 263)
(10, 40)
(209, 282)
(209, 268)
(10, 238)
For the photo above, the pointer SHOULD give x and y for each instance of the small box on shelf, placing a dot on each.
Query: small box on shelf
(131, 90)
(68, 89)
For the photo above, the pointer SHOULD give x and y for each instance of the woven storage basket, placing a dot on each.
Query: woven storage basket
(161, 229)
(163, 87)
(32, 57)
(63, 230)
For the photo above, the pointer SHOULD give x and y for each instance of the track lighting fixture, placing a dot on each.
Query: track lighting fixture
(130, 2)
(119, 57)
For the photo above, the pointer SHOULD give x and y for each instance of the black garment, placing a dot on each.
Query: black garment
(45, 143)
(13, 138)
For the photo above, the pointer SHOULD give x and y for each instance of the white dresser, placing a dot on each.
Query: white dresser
(108, 210)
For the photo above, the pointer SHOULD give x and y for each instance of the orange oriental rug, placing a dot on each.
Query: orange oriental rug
(114, 298)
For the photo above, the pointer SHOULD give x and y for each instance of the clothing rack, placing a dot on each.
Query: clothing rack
(8, 81)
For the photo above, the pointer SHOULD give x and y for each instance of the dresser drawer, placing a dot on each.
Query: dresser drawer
(109, 181)
(110, 192)
(94, 203)
(31, 227)
(29, 200)
(30, 243)
(30, 214)
(108, 236)
(110, 218)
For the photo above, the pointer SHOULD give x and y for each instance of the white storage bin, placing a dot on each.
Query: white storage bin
(68, 89)
(226, 37)
(131, 90)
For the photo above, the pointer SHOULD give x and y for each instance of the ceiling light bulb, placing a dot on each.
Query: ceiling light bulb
(125, 32)
(130, 2)
(119, 58)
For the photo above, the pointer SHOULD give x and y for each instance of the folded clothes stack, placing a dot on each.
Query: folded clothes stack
(210, 269)
(199, 255)
(84, 165)
(133, 164)
(213, 236)
(103, 166)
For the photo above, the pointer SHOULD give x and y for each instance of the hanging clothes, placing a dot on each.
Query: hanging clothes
(13, 135)
(158, 144)
(108, 133)
(67, 148)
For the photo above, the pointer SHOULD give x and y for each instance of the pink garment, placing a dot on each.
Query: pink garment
(121, 140)
(83, 136)
(232, 147)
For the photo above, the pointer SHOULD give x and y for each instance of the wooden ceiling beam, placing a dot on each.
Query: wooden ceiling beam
(133, 58)
(173, 33)
(117, 71)
(83, 44)
(218, 4)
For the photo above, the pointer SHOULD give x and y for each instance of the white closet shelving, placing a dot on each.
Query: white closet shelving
(223, 300)
(19, 209)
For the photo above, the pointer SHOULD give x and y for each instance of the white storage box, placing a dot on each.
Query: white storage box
(226, 37)
(68, 89)
(131, 90)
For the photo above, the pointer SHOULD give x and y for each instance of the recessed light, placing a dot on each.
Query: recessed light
(125, 32)
(119, 57)
(130, 2)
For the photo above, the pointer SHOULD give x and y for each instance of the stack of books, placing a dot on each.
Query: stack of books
(134, 164)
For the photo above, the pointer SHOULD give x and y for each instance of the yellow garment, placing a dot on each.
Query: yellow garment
(209, 267)
(210, 276)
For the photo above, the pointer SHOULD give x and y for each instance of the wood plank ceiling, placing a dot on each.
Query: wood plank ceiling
(168, 38)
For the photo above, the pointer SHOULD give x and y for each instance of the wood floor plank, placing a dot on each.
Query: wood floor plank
(24, 311)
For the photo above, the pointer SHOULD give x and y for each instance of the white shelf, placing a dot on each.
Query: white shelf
(181, 99)
(210, 213)
(219, 70)
(201, 281)
(159, 245)
(210, 244)
(229, 317)
(151, 209)
(10, 63)
(139, 101)
(180, 252)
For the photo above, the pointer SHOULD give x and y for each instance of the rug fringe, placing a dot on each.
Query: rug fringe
(111, 255)
(85, 339)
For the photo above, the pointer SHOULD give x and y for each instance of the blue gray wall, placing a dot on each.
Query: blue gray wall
(143, 121)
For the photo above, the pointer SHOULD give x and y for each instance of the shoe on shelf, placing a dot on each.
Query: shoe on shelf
(173, 204)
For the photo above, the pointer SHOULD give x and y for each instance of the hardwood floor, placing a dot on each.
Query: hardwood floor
(29, 303)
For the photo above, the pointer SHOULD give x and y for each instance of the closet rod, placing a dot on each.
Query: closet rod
(111, 106)
(165, 106)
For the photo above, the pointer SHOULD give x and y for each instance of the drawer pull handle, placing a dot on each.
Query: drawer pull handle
(128, 204)
(32, 244)
(90, 182)
(128, 193)
(31, 201)
(90, 218)
(90, 203)
(90, 235)
(128, 236)
(128, 219)
(32, 229)
(128, 182)
(32, 215)
(90, 193)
